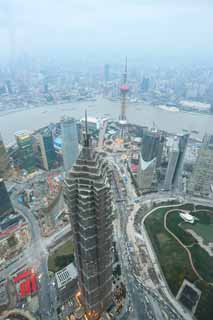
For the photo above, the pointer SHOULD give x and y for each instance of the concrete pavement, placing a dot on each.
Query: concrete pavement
(37, 255)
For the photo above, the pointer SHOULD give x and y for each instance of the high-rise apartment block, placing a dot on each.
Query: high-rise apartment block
(25, 145)
(4, 162)
(88, 196)
(70, 142)
(201, 180)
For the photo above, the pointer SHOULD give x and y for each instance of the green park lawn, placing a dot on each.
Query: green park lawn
(173, 258)
(61, 257)
(202, 230)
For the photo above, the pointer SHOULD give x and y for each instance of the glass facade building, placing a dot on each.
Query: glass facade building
(70, 142)
(5, 203)
(46, 149)
(25, 150)
(4, 162)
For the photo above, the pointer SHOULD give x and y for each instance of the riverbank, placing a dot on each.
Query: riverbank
(141, 114)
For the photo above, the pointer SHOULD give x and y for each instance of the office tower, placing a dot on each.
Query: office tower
(46, 86)
(145, 85)
(211, 107)
(4, 162)
(25, 150)
(106, 72)
(46, 150)
(70, 142)
(9, 87)
(201, 180)
(146, 175)
(88, 196)
(172, 164)
(182, 145)
(6, 205)
(152, 146)
(173, 178)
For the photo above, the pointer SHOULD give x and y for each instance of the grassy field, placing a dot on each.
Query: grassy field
(201, 259)
(174, 259)
(174, 222)
(202, 262)
(61, 257)
(205, 231)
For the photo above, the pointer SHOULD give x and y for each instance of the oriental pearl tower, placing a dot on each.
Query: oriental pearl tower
(124, 90)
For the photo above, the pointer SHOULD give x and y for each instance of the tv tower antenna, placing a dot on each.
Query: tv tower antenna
(124, 90)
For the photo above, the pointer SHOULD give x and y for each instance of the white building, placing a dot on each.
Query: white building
(92, 123)
(187, 217)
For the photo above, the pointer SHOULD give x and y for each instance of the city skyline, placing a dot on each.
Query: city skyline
(152, 30)
(110, 216)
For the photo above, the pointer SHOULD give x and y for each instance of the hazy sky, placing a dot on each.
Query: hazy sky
(108, 28)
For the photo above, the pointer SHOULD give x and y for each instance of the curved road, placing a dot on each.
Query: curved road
(37, 256)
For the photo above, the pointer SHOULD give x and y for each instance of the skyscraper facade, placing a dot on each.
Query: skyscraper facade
(4, 163)
(173, 178)
(25, 145)
(146, 175)
(201, 180)
(182, 145)
(88, 196)
(46, 150)
(106, 72)
(5, 203)
(70, 142)
(152, 146)
(171, 168)
(145, 85)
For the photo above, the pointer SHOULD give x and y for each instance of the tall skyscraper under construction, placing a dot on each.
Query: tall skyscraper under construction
(70, 142)
(4, 163)
(201, 180)
(88, 196)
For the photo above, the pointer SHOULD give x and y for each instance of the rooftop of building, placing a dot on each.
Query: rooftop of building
(66, 275)
(187, 217)
(145, 164)
(90, 120)
(22, 134)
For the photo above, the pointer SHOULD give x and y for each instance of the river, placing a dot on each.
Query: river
(142, 114)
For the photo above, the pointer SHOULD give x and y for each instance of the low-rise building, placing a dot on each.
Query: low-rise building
(66, 282)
